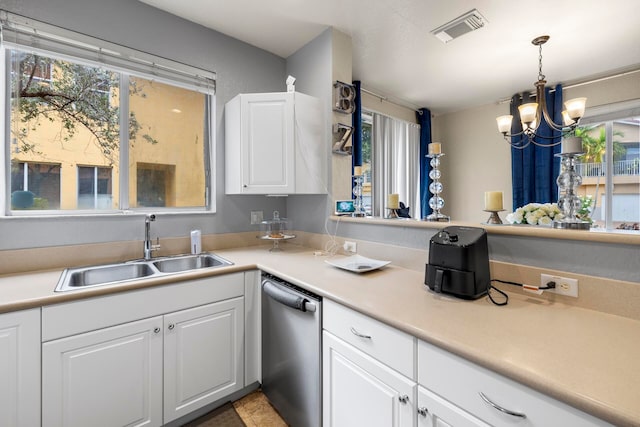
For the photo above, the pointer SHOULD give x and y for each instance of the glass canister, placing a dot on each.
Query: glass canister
(276, 229)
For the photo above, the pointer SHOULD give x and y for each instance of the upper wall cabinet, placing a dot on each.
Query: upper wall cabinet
(275, 144)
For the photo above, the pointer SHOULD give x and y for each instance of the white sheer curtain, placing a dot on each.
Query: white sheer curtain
(395, 164)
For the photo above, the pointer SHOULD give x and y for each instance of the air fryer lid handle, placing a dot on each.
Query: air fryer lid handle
(458, 236)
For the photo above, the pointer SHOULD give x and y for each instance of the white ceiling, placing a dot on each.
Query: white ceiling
(394, 53)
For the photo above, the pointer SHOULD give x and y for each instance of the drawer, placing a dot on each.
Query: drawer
(383, 342)
(461, 382)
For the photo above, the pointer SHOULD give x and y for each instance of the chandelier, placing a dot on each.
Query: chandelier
(532, 114)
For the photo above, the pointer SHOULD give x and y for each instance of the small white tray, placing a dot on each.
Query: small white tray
(357, 263)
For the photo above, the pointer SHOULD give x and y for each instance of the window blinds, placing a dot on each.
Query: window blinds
(18, 31)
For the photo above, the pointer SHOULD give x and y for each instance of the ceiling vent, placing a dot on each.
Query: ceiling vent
(463, 24)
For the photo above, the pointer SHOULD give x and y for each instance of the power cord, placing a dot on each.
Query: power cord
(550, 285)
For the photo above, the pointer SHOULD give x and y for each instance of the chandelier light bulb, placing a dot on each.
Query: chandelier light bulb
(566, 119)
(575, 107)
(504, 123)
(528, 112)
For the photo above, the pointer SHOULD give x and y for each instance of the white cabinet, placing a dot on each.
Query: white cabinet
(20, 368)
(109, 377)
(100, 367)
(363, 365)
(488, 396)
(202, 356)
(275, 144)
(360, 391)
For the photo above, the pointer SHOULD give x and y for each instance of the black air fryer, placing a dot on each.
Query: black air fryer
(459, 262)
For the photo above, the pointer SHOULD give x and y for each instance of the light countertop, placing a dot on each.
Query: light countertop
(585, 358)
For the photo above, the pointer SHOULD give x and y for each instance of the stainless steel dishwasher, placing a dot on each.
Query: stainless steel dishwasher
(291, 351)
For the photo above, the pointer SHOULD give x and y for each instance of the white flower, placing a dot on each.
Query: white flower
(545, 220)
(535, 214)
(531, 218)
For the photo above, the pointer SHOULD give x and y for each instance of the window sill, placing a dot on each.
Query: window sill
(624, 237)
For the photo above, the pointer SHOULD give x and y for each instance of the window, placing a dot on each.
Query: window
(42, 180)
(394, 163)
(94, 187)
(367, 124)
(610, 170)
(100, 130)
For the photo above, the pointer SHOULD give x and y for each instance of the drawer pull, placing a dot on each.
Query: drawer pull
(403, 399)
(171, 326)
(500, 408)
(423, 411)
(156, 330)
(358, 334)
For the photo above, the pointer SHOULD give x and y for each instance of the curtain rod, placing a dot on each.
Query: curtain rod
(587, 82)
(384, 98)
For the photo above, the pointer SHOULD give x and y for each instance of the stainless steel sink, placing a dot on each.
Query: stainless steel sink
(189, 262)
(111, 274)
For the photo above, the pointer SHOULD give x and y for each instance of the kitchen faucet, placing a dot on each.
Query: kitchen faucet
(148, 246)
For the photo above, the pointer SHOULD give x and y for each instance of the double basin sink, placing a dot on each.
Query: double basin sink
(111, 274)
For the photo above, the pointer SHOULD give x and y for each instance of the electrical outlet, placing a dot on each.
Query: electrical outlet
(350, 246)
(256, 217)
(564, 285)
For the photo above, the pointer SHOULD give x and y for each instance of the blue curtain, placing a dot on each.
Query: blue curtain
(424, 119)
(357, 126)
(534, 169)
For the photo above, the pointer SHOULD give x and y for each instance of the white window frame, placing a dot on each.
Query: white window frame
(17, 32)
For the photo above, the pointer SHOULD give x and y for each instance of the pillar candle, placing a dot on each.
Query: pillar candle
(435, 148)
(393, 201)
(493, 200)
(572, 145)
(357, 170)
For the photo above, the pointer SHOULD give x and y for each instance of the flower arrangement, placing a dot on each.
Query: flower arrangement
(535, 214)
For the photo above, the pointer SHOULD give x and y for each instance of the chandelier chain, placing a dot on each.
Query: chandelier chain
(540, 75)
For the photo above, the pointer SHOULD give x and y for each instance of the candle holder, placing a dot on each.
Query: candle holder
(494, 218)
(393, 213)
(568, 202)
(436, 202)
(357, 192)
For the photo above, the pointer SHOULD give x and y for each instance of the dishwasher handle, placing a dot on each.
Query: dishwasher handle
(285, 297)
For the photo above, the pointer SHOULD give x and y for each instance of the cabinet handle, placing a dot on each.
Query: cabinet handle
(156, 330)
(403, 399)
(171, 326)
(500, 408)
(358, 334)
(423, 411)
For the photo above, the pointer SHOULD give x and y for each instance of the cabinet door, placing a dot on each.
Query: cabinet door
(434, 411)
(360, 391)
(110, 377)
(203, 356)
(267, 143)
(20, 368)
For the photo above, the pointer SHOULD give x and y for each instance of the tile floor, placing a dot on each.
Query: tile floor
(255, 411)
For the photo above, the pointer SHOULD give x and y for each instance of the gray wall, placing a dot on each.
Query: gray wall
(240, 68)
(608, 260)
(312, 66)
